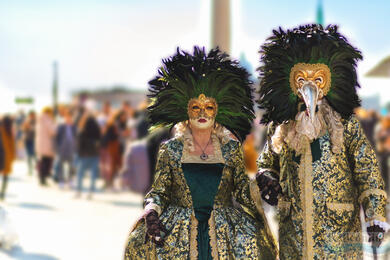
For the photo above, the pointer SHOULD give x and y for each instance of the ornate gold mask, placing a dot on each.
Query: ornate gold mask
(202, 107)
(317, 74)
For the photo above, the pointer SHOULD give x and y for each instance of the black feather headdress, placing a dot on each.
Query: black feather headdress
(306, 44)
(184, 76)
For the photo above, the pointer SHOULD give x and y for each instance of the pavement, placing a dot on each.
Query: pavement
(52, 224)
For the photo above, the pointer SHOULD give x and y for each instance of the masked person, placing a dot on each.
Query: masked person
(189, 213)
(316, 149)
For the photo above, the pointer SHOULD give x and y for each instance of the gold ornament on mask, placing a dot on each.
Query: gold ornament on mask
(202, 106)
(318, 74)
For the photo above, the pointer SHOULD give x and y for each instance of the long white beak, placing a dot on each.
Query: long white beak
(309, 92)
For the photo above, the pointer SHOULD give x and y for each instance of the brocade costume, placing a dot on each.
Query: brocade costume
(320, 207)
(316, 148)
(234, 233)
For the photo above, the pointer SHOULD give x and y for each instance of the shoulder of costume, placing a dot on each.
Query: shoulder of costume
(351, 125)
(172, 144)
(231, 143)
(351, 121)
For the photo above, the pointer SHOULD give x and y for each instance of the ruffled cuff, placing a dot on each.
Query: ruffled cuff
(374, 204)
(382, 224)
(152, 206)
(269, 173)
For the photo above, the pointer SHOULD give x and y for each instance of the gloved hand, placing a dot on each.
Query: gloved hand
(376, 235)
(154, 229)
(269, 188)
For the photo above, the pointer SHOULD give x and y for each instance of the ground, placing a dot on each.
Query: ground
(52, 224)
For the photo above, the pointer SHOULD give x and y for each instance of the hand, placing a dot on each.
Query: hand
(376, 235)
(269, 187)
(154, 229)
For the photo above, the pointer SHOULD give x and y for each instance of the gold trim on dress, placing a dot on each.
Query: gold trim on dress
(193, 235)
(305, 178)
(213, 237)
(340, 206)
(369, 192)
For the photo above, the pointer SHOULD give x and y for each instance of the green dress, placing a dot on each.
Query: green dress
(203, 181)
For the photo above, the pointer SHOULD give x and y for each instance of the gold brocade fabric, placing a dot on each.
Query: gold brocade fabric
(319, 210)
(236, 233)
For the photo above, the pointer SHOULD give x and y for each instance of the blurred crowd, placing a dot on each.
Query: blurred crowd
(79, 142)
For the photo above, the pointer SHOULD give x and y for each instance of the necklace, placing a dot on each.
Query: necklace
(203, 156)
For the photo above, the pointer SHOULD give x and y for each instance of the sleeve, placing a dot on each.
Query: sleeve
(159, 195)
(241, 191)
(247, 194)
(268, 161)
(364, 164)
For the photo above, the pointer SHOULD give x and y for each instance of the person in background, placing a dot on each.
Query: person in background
(382, 138)
(29, 139)
(88, 145)
(123, 124)
(250, 154)
(66, 148)
(104, 115)
(18, 133)
(127, 109)
(2, 152)
(44, 139)
(141, 125)
(140, 161)
(110, 153)
(368, 119)
(7, 138)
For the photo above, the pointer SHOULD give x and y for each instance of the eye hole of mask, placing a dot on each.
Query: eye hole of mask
(319, 80)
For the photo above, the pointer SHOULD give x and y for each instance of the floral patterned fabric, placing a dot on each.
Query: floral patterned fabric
(338, 185)
(235, 232)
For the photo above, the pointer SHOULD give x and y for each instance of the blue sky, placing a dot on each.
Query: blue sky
(101, 43)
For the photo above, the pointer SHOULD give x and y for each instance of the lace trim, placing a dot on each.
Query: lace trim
(305, 178)
(153, 206)
(223, 134)
(213, 237)
(193, 235)
(340, 206)
(294, 132)
(187, 157)
(255, 195)
(382, 224)
(335, 126)
(367, 193)
(268, 170)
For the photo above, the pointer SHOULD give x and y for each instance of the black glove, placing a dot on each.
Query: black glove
(154, 229)
(269, 187)
(376, 235)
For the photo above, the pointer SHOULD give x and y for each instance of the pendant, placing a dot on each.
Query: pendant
(204, 156)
